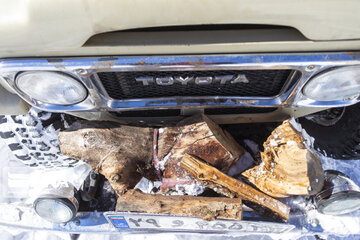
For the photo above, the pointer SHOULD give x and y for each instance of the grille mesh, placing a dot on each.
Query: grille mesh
(262, 83)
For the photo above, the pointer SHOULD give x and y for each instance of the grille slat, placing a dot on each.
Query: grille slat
(262, 83)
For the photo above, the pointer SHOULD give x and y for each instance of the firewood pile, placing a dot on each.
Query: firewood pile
(171, 170)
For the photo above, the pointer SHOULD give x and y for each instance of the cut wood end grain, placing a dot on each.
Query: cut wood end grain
(288, 167)
(204, 139)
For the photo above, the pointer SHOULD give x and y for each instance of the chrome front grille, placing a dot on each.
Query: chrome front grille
(258, 83)
(116, 83)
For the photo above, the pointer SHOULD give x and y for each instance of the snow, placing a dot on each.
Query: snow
(245, 161)
(182, 186)
(273, 143)
(163, 162)
(194, 188)
(290, 142)
(147, 186)
(261, 170)
(309, 141)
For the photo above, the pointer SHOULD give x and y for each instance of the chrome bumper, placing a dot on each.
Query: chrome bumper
(85, 69)
(21, 216)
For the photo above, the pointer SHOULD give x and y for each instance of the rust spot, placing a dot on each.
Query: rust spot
(103, 65)
(199, 62)
(100, 67)
(141, 62)
(58, 63)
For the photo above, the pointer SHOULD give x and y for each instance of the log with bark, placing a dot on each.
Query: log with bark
(222, 183)
(288, 167)
(204, 139)
(208, 208)
(121, 153)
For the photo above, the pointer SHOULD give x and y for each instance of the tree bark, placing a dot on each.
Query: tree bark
(120, 153)
(208, 208)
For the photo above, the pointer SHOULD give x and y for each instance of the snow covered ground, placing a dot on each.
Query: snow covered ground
(311, 226)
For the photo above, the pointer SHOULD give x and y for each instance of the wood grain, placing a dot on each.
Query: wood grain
(208, 208)
(204, 139)
(120, 153)
(208, 174)
(288, 167)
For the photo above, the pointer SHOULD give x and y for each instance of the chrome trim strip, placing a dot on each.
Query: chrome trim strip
(85, 69)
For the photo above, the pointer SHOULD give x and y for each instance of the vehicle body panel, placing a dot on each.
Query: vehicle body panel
(61, 28)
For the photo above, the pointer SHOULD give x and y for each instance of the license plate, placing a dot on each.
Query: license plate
(150, 222)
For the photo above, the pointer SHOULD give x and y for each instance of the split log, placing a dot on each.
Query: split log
(208, 208)
(220, 182)
(120, 153)
(203, 139)
(288, 167)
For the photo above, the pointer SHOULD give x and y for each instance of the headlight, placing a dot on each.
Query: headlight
(339, 196)
(57, 205)
(51, 87)
(338, 84)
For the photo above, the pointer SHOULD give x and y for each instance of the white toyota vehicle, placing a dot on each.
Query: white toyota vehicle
(154, 62)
